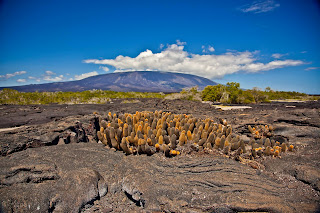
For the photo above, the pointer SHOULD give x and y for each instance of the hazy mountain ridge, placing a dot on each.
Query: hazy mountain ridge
(136, 81)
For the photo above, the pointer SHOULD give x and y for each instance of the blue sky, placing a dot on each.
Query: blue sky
(256, 43)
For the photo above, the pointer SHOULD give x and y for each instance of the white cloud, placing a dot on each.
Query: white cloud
(278, 55)
(49, 73)
(85, 75)
(272, 65)
(34, 78)
(51, 78)
(260, 6)
(21, 80)
(312, 68)
(175, 59)
(161, 46)
(206, 50)
(10, 75)
(47, 76)
(203, 48)
(304, 52)
(211, 49)
(104, 68)
(181, 43)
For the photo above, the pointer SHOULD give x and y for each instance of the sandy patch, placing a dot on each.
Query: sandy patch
(289, 101)
(231, 107)
(10, 129)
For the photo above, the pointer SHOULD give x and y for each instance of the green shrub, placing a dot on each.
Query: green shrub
(246, 97)
(258, 95)
(231, 93)
(213, 93)
(234, 92)
(191, 94)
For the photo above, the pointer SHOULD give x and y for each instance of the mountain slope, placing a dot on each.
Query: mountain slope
(138, 81)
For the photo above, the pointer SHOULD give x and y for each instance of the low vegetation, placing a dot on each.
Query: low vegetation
(232, 94)
(191, 94)
(229, 93)
(10, 96)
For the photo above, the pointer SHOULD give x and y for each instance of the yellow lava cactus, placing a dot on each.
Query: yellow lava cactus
(150, 132)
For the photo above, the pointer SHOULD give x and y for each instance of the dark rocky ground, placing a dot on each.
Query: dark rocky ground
(39, 173)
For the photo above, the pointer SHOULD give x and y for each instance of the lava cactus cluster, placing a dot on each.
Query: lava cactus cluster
(150, 132)
(262, 143)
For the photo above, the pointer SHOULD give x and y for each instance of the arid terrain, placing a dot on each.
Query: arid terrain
(40, 173)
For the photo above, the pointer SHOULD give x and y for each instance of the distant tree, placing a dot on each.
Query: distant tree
(258, 95)
(183, 91)
(234, 91)
(194, 90)
(268, 89)
(246, 97)
(213, 93)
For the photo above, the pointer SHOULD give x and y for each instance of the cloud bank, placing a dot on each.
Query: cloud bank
(260, 7)
(175, 59)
